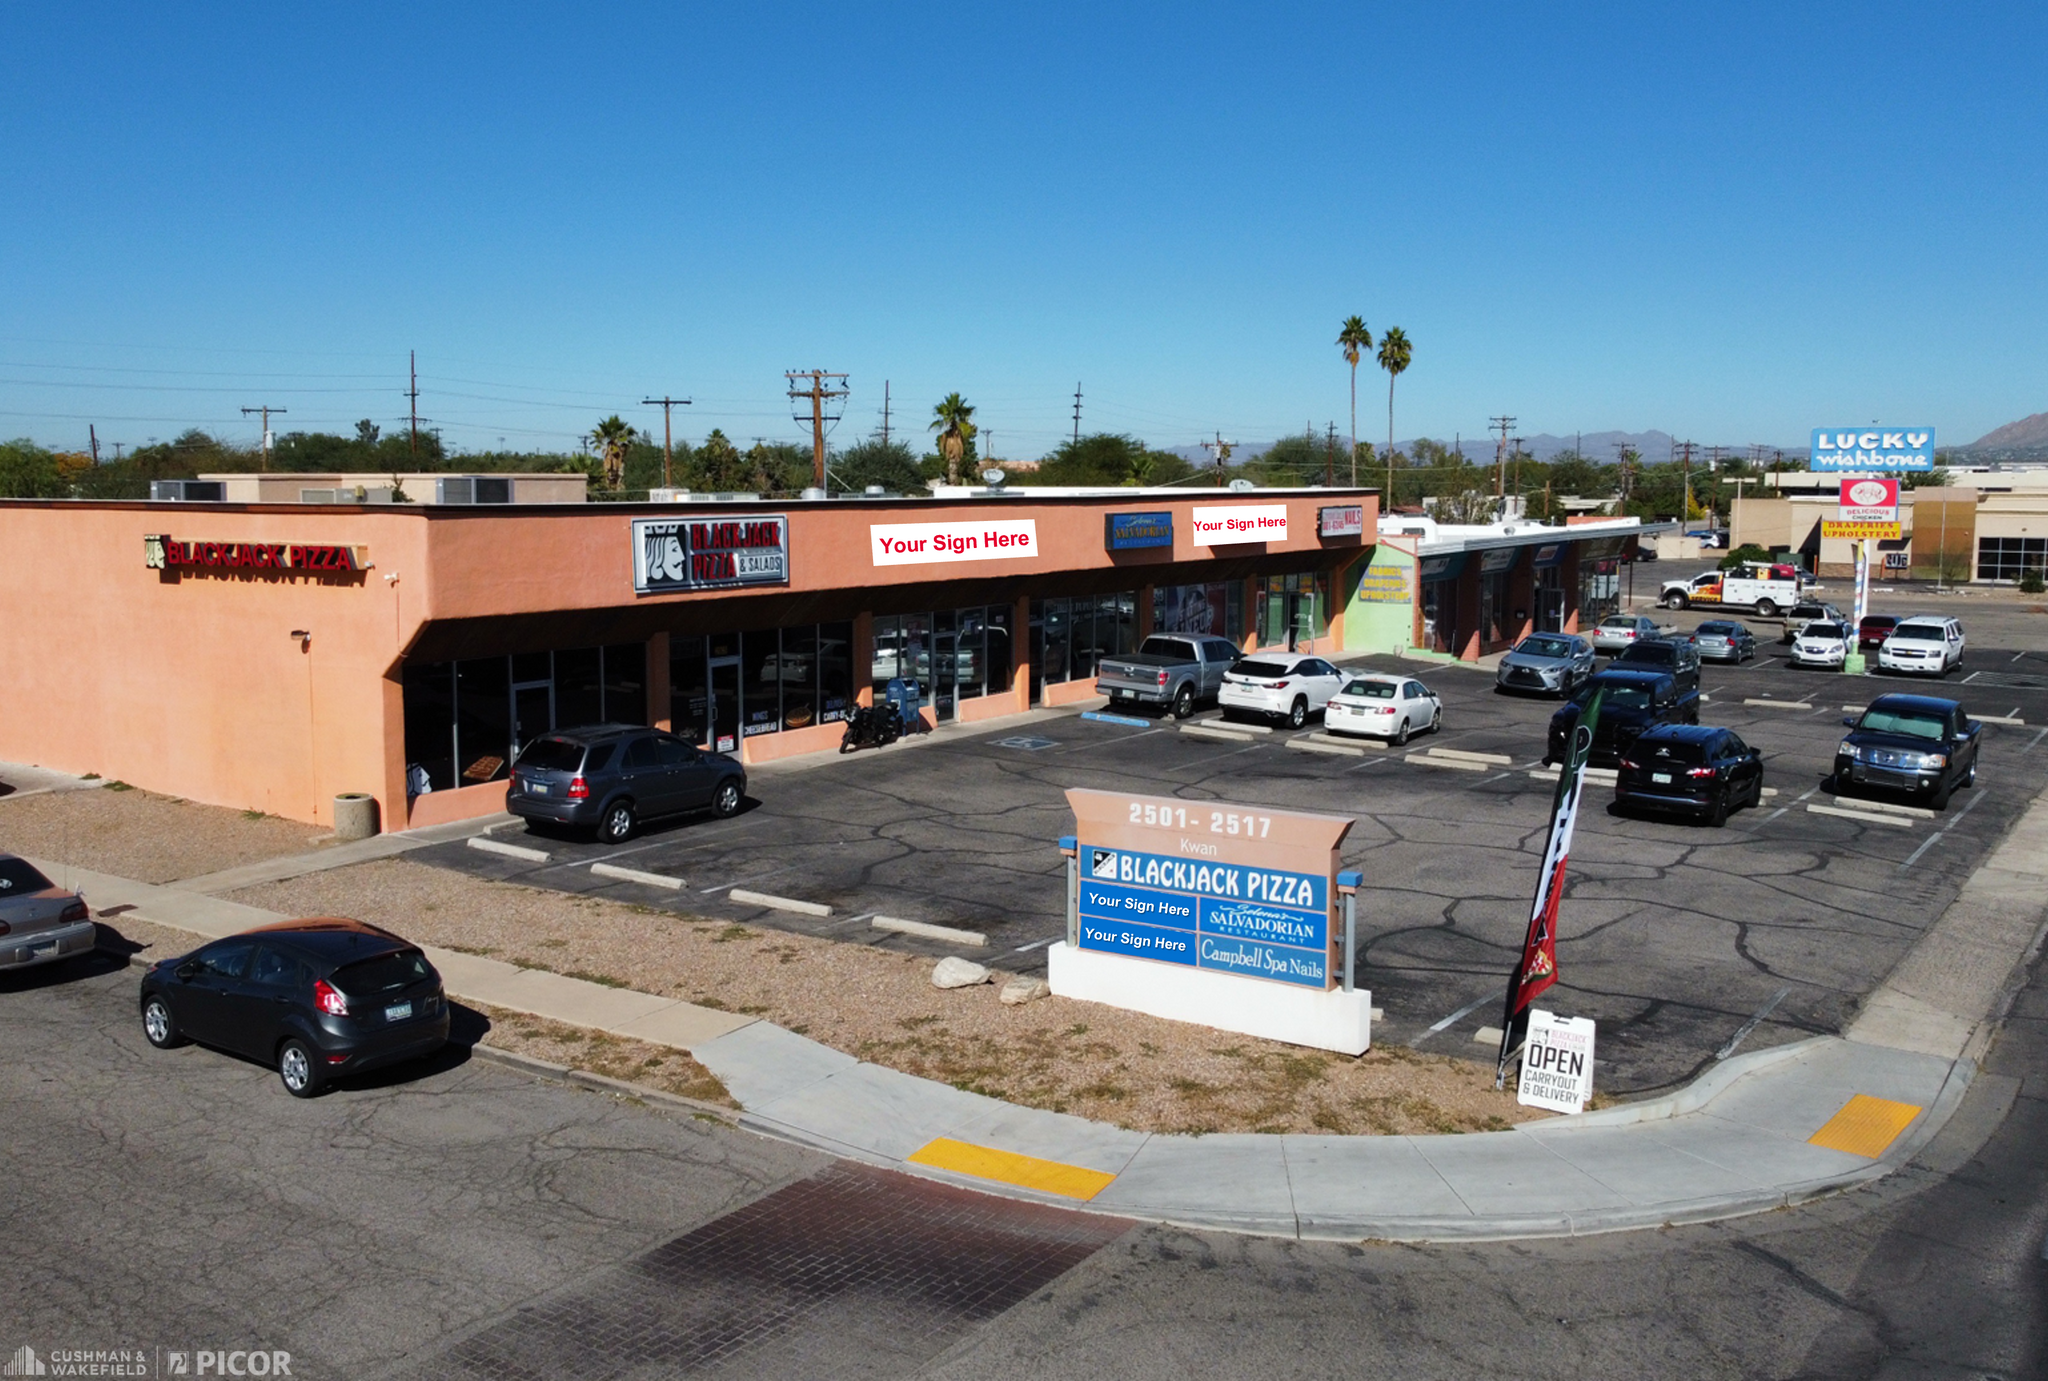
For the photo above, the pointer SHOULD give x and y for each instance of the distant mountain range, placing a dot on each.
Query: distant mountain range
(2026, 439)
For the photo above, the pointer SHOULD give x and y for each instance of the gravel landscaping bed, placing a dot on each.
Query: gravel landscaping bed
(1098, 1062)
(595, 1052)
(140, 835)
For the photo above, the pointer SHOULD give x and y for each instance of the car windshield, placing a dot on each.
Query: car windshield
(18, 877)
(1618, 697)
(384, 974)
(1169, 647)
(1907, 722)
(1923, 632)
(1253, 667)
(1545, 647)
(1718, 630)
(1824, 630)
(1878, 620)
(1371, 690)
(552, 755)
(1650, 652)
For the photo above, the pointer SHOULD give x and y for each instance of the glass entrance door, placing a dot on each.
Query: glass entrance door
(945, 666)
(533, 713)
(723, 732)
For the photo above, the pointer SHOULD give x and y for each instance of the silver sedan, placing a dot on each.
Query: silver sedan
(40, 922)
(1617, 632)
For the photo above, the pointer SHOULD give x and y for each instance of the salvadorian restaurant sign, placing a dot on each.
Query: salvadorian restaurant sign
(163, 553)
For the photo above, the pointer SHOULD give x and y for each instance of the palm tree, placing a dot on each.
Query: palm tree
(611, 439)
(953, 420)
(1354, 340)
(1395, 354)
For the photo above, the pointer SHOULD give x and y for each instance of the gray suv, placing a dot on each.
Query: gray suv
(610, 777)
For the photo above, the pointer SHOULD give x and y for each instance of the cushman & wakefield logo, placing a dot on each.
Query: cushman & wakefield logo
(162, 553)
(146, 1362)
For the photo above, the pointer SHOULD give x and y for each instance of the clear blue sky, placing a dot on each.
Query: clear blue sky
(1730, 222)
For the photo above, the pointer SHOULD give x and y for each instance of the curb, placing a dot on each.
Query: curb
(598, 1083)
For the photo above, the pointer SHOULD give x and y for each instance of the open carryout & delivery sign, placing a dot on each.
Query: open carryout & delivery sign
(1238, 889)
(917, 544)
(1222, 525)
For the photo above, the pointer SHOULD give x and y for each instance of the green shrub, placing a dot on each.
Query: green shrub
(2031, 582)
(1748, 551)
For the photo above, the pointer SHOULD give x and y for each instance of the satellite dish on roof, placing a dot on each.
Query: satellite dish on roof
(993, 477)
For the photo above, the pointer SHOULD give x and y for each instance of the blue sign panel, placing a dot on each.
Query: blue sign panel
(1135, 531)
(1260, 922)
(1872, 448)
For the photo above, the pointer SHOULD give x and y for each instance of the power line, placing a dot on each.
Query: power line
(818, 395)
(667, 442)
(263, 461)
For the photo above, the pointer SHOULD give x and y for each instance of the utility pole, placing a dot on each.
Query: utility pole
(1077, 414)
(1221, 450)
(1500, 456)
(817, 394)
(885, 413)
(94, 433)
(117, 452)
(1330, 458)
(667, 441)
(263, 460)
(1625, 457)
(412, 363)
(1685, 450)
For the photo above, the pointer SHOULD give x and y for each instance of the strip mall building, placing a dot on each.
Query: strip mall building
(272, 656)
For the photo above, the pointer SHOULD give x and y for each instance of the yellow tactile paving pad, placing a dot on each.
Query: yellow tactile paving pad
(1026, 1172)
(1865, 1126)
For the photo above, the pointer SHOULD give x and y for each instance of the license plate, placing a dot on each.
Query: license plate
(47, 947)
(1661, 778)
(537, 788)
(398, 1013)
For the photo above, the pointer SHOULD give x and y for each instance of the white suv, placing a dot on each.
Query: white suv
(1930, 644)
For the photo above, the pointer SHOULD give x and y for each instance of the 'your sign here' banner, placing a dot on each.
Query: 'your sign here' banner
(920, 544)
(1872, 448)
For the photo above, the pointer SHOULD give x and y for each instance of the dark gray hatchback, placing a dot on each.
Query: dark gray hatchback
(610, 777)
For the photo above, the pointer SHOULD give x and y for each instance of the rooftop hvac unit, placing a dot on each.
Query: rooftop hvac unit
(473, 489)
(188, 491)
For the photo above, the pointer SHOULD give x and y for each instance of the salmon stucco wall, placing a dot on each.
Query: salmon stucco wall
(192, 683)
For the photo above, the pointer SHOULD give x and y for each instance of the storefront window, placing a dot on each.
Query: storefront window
(689, 704)
(1216, 609)
(997, 663)
(579, 687)
(429, 728)
(760, 690)
(1058, 622)
(625, 683)
(1293, 609)
(835, 671)
(483, 720)
(970, 652)
(796, 669)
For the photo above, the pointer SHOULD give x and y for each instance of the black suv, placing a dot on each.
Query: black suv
(1679, 656)
(316, 998)
(1913, 743)
(1636, 700)
(1693, 768)
(610, 777)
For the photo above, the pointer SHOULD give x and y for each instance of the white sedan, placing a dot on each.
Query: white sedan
(1389, 707)
(1287, 686)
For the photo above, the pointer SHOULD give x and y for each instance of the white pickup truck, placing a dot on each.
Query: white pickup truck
(1766, 588)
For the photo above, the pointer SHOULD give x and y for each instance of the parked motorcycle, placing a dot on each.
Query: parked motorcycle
(871, 726)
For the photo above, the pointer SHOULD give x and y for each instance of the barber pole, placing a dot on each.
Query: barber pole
(1536, 970)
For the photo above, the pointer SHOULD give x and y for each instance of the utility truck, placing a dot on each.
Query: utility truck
(1767, 587)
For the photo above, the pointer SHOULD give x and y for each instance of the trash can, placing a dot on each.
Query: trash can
(355, 815)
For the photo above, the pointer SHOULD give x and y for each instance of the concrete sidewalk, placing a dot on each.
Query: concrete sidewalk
(1759, 1131)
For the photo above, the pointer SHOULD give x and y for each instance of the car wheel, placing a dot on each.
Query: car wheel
(1674, 601)
(158, 1025)
(1184, 703)
(1401, 734)
(1297, 713)
(1718, 816)
(725, 802)
(1970, 777)
(1436, 722)
(298, 1068)
(1768, 608)
(619, 823)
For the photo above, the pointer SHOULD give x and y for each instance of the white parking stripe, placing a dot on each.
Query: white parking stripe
(1464, 1011)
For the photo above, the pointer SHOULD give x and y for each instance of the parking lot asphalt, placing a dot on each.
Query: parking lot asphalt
(1682, 941)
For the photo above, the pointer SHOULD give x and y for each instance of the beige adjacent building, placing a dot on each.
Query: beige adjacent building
(1987, 526)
